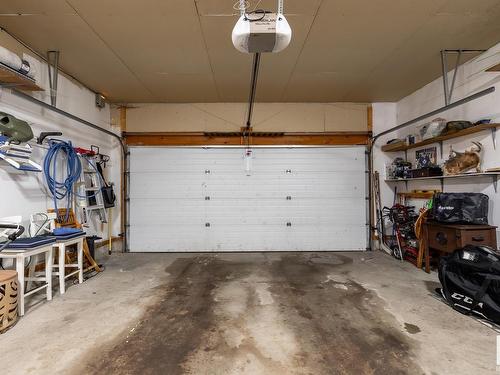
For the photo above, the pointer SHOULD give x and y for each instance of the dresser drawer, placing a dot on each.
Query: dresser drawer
(448, 239)
(442, 239)
(477, 237)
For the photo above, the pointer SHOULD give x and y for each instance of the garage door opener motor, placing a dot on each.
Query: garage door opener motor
(260, 30)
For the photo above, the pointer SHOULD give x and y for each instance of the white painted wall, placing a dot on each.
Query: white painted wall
(384, 117)
(24, 193)
(471, 78)
(288, 117)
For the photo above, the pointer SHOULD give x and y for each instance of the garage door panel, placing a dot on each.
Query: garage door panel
(236, 185)
(190, 238)
(308, 160)
(300, 185)
(279, 212)
(298, 159)
(167, 185)
(154, 160)
(195, 199)
(325, 212)
(251, 212)
(168, 238)
(199, 160)
(239, 237)
(168, 212)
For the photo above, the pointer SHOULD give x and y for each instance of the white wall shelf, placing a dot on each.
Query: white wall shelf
(12, 79)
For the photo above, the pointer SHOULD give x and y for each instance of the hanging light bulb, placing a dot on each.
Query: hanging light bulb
(248, 162)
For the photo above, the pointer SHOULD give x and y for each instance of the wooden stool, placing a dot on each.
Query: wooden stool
(61, 246)
(8, 299)
(72, 222)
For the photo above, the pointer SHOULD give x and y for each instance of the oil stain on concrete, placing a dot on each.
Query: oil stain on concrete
(412, 328)
(291, 314)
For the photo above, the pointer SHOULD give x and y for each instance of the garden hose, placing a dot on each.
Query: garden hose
(62, 159)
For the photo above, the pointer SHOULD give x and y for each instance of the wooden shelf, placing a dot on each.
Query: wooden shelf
(441, 177)
(474, 129)
(417, 195)
(492, 175)
(495, 68)
(10, 78)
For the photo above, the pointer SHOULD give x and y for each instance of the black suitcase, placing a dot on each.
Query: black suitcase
(470, 279)
(460, 208)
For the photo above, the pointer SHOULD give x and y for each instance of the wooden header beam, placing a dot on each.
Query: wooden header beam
(232, 139)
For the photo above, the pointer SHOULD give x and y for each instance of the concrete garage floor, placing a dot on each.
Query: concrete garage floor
(321, 313)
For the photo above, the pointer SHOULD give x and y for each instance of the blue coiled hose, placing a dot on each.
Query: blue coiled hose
(60, 152)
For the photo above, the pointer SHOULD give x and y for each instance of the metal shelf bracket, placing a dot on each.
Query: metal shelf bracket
(494, 137)
(53, 65)
(448, 91)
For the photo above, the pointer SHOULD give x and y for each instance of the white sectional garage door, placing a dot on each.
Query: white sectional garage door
(290, 199)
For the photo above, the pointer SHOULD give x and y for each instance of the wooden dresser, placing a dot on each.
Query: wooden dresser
(447, 238)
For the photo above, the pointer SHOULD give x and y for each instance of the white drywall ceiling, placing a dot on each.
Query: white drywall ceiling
(181, 51)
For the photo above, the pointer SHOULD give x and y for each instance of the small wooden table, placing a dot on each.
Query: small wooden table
(446, 238)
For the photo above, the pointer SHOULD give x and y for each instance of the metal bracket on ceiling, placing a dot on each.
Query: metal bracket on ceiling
(53, 65)
(448, 90)
(280, 7)
(243, 7)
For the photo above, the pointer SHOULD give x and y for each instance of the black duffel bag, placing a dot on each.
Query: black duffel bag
(460, 208)
(470, 280)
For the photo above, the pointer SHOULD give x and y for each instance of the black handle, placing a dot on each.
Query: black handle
(16, 234)
(441, 238)
(44, 135)
(478, 238)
